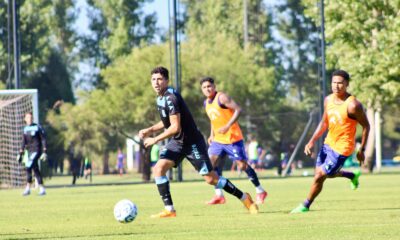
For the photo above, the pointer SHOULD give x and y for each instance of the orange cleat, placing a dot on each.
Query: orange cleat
(261, 197)
(216, 200)
(250, 205)
(164, 214)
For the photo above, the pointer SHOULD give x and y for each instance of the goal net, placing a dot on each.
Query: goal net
(13, 106)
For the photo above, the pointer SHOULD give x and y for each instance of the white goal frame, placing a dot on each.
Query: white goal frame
(11, 173)
(35, 100)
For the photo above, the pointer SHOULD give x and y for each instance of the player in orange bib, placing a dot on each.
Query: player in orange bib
(342, 112)
(226, 136)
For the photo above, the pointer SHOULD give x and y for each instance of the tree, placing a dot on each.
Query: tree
(297, 45)
(364, 41)
(116, 27)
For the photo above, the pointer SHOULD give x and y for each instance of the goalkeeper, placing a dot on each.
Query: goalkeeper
(34, 142)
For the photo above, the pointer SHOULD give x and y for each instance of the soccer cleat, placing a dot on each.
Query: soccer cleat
(164, 214)
(300, 209)
(26, 192)
(216, 200)
(42, 192)
(354, 181)
(261, 197)
(250, 205)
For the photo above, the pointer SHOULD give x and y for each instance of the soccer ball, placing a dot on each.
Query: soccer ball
(125, 211)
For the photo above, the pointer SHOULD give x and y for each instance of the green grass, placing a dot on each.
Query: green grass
(371, 212)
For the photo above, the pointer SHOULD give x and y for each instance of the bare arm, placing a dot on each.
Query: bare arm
(356, 111)
(172, 130)
(231, 104)
(148, 131)
(322, 126)
(211, 138)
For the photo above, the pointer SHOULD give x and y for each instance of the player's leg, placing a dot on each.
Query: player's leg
(252, 175)
(38, 176)
(32, 156)
(219, 197)
(90, 174)
(352, 176)
(162, 182)
(27, 190)
(170, 156)
(224, 183)
(237, 152)
(198, 157)
(215, 152)
(318, 181)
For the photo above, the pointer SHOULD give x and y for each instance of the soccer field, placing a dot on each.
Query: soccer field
(371, 212)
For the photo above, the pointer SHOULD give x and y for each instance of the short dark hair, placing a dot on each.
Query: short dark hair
(342, 74)
(207, 79)
(161, 70)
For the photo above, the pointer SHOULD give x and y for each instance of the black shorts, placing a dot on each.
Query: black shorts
(195, 152)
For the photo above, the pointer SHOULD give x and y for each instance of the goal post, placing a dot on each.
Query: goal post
(13, 106)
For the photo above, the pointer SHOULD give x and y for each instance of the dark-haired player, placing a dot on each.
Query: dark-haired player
(342, 112)
(185, 140)
(226, 137)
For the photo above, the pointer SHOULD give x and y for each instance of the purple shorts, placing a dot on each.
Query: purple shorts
(330, 161)
(235, 151)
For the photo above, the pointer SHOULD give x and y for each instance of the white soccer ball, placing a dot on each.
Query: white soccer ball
(125, 211)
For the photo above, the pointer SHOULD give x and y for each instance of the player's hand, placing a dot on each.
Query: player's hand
(360, 157)
(144, 133)
(19, 157)
(43, 157)
(209, 140)
(224, 129)
(308, 148)
(149, 142)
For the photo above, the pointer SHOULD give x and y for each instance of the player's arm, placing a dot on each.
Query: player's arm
(23, 144)
(42, 135)
(228, 102)
(211, 138)
(322, 126)
(172, 130)
(21, 151)
(356, 111)
(148, 131)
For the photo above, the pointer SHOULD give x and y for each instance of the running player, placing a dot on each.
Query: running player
(342, 112)
(34, 141)
(185, 140)
(226, 136)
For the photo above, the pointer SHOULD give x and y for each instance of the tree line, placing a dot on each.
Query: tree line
(272, 69)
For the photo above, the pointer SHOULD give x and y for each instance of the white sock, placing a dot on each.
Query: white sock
(260, 189)
(243, 197)
(41, 188)
(219, 192)
(170, 208)
(27, 188)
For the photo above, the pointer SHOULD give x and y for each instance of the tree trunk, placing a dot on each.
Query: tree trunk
(146, 165)
(106, 158)
(141, 159)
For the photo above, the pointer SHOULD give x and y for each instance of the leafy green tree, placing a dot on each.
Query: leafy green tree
(297, 46)
(364, 41)
(47, 42)
(116, 27)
